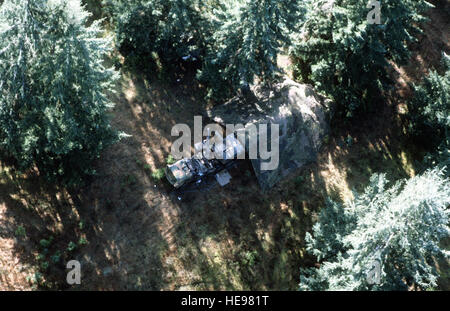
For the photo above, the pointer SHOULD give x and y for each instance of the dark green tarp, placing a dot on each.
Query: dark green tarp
(300, 113)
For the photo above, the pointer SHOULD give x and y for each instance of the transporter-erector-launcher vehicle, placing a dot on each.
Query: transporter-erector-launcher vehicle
(300, 113)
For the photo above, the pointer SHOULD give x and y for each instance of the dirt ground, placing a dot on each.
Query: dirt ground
(129, 232)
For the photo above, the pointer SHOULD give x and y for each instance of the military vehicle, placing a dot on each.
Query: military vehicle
(300, 113)
(213, 155)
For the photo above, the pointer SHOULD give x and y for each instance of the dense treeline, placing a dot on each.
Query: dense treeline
(430, 115)
(229, 42)
(346, 55)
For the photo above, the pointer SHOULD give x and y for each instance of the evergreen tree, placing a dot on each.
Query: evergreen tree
(345, 56)
(400, 227)
(429, 112)
(158, 35)
(231, 40)
(247, 43)
(52, 88)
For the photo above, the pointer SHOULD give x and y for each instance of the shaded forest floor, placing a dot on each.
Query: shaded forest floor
(129, 232)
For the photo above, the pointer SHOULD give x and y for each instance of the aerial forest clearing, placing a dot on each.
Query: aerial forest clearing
(120, 217)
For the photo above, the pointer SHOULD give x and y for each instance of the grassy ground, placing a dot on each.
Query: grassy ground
(129, 232)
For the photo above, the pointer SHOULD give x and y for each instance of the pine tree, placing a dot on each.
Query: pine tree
(160, 33)
(400, 227)
(232, 41)
(429, 112)
(346, 56)
(247, 44)
(53, 88)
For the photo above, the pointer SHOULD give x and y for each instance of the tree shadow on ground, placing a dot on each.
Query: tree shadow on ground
(56, 227)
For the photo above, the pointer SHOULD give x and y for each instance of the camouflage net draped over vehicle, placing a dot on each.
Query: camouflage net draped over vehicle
(300, 113)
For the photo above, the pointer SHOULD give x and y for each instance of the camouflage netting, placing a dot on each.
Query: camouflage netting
(300, 113)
